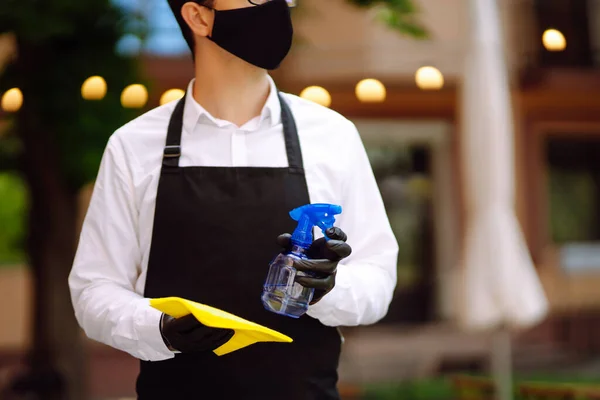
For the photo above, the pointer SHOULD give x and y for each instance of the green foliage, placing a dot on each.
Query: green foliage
(442, 389)
(400, 15)
(434, 389)
(61, 43)
(13, 208)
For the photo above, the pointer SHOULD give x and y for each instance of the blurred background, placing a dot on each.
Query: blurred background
(427, 82)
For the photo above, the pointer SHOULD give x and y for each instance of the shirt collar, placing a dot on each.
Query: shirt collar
(194, 113)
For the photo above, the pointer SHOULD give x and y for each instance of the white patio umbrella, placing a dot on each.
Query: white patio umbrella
(500, 287)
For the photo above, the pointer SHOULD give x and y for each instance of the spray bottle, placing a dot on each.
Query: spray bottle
(281, 293)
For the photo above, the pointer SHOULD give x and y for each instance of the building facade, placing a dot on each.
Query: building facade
(414, 135)
(413, 139)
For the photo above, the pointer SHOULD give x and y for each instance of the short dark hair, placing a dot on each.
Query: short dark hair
(176, 5)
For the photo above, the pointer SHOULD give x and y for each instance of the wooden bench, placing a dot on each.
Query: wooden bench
(472, 387)
(532, 391)
(483, 388)
(549, 391)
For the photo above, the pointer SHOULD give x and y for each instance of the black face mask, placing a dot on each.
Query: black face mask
(260, 35)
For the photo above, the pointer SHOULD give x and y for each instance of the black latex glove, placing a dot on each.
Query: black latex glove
(324, 257)
(187, 335)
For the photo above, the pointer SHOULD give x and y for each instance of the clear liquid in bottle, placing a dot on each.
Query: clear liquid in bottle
(281, 293)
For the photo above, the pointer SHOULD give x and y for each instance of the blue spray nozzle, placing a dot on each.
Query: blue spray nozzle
(310, 215)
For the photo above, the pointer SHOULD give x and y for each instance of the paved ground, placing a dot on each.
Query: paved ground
(369, 355)
(382, 354)
(376, 354)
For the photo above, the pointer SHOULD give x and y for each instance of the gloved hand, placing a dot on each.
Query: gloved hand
(187, 335)
(324, 257)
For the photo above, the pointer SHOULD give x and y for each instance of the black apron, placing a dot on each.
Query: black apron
(215, 231)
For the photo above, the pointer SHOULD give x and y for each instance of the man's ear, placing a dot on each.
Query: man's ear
(200, 19)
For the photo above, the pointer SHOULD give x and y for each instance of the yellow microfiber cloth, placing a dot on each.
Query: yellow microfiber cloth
(246, 332)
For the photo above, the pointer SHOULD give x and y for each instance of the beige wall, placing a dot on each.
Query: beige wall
(15, 303)
(339, 42)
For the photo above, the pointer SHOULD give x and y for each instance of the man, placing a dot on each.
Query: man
(192, 200)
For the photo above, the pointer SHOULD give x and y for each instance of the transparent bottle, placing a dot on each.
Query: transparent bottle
(281, 293)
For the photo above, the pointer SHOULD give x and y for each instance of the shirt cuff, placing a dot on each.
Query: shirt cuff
(337, 308)
(152, 346)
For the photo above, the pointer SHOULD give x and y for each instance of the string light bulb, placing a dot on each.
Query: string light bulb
(134, 96)
(317, 94)
(94, 88)
(554, 40)
(429, 78)
(12, 100)
(371, 91)
(171, 95)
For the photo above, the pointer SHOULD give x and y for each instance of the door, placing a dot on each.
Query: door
(412, 163)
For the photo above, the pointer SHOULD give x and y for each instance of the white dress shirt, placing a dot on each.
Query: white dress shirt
(109, 272)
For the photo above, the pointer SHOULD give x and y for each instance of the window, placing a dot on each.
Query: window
(163, 36)
(404, 178)
(573, 189)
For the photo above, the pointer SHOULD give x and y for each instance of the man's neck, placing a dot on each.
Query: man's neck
(232, 90)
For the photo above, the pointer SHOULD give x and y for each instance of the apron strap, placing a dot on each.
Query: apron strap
(290, 133)
(172, 151)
